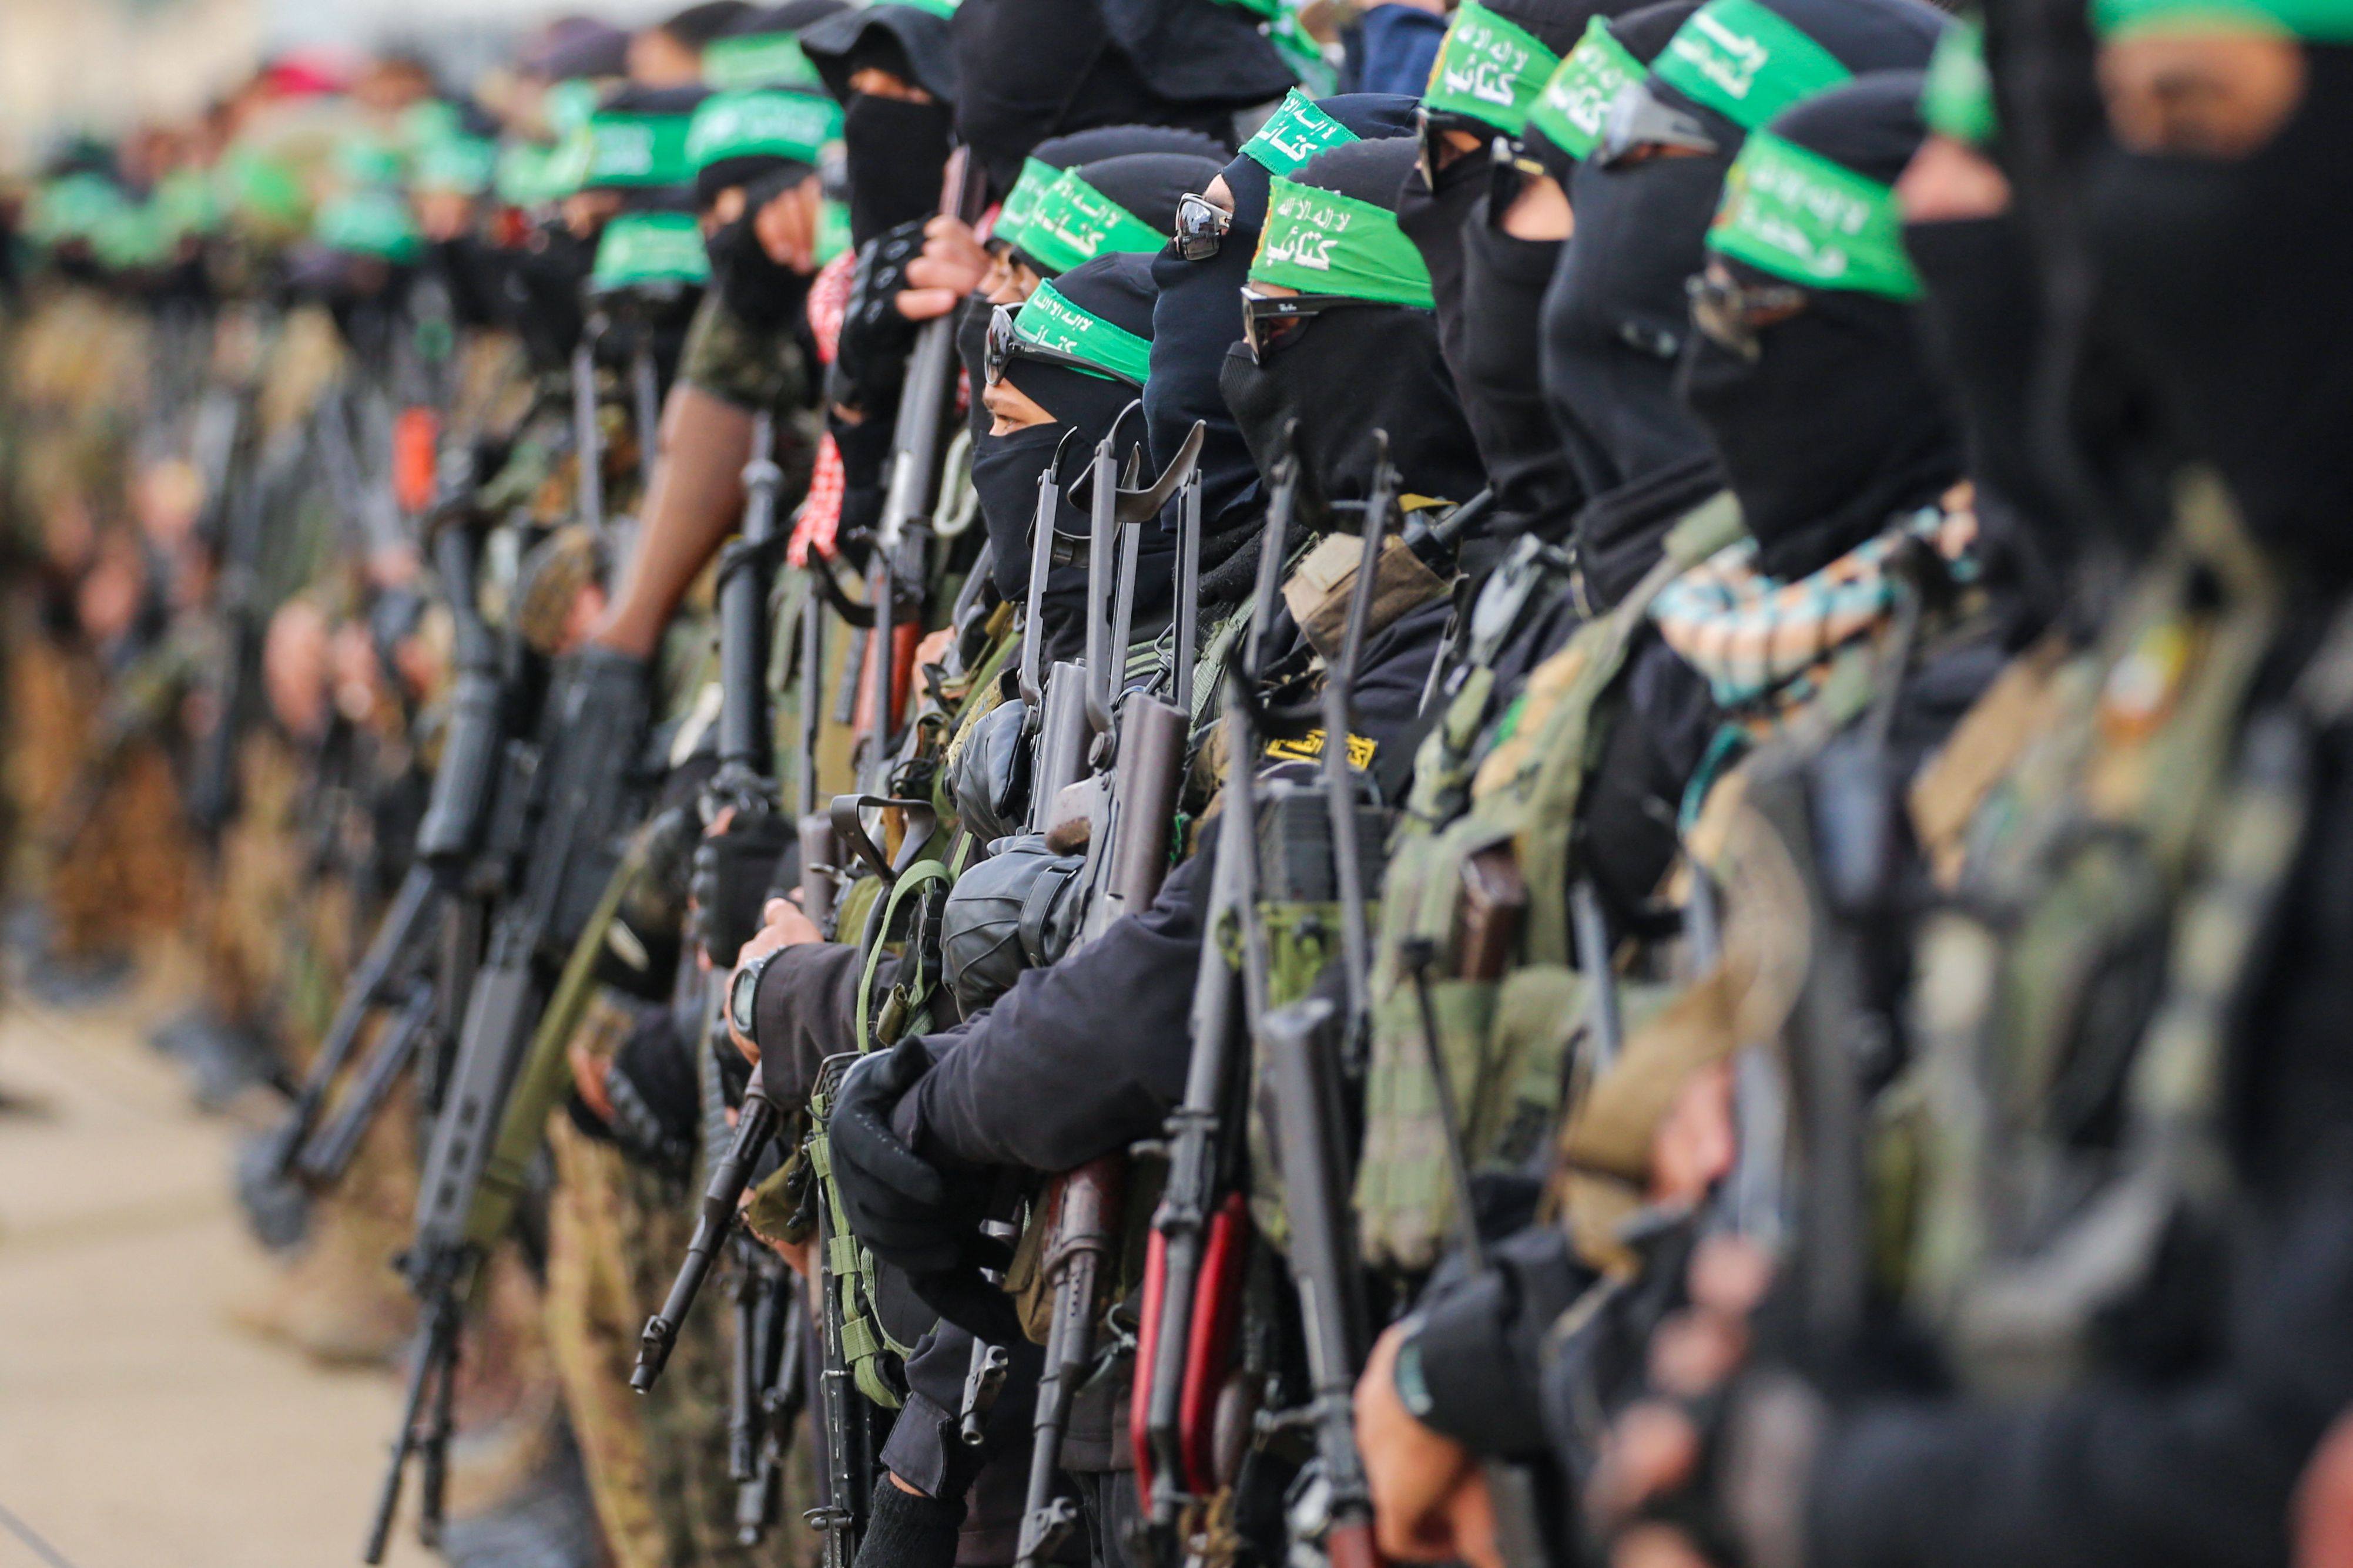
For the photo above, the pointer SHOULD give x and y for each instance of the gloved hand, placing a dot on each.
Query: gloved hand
(898, 1203)
(875, 336)
(734, 870)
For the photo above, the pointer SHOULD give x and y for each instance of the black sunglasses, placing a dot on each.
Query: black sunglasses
(1201, 226)
(1429, 132)
(1270, 320)
(1004, 346)
(1640, 123)
(1509, 170)
(1733, 314)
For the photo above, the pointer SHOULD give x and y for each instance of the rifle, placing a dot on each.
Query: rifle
(239, 514)
(1192, 1301)
(507, 1072)
(447, 836)
(741, 783)
(1142, 741)
(1302, 1044)
(899, 548)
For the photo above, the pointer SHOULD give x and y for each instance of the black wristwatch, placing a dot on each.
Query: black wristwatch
(744, 991)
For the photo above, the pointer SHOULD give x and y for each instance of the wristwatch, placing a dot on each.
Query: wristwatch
(744, 991)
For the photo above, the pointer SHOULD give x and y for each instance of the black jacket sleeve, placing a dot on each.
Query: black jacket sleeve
(1078, 1059)
(804, 1012)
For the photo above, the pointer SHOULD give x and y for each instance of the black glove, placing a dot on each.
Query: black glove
(732, 874)
(897, 1203)
(656, 1102)
(872, 353)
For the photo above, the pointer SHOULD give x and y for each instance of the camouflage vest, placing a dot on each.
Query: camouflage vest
(2077, 993)
(1507, 1040)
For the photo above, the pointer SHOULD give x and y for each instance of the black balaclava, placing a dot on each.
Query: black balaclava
(896, 149)
(1615, 315)
(1042, 69)
(1497, 365)
(1352, 372)
(1196, 319)
(2226, 276)
(1433, 220)
(1838, 424)
(1004, 468)
(897, 152)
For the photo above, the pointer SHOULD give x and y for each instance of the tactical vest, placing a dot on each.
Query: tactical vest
(1493, 802)
(2077, 993)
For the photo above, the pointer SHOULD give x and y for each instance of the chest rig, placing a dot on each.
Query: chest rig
(2077, 993)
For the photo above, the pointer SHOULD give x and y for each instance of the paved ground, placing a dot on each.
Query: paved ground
(139, 1428)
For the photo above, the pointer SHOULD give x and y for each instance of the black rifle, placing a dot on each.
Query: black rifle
(1142, 741)
(900, 548)
(238, 522)
(742, 785)
(447, 836)
(1181, 1298)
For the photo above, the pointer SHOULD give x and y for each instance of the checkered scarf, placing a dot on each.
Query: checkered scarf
(1754, 637)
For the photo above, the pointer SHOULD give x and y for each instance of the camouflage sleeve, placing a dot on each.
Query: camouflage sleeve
(740, 364)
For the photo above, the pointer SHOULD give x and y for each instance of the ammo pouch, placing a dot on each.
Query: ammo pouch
(1510, 1002)
(2072, 1052)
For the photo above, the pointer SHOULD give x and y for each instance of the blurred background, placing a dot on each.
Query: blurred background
(94, 65)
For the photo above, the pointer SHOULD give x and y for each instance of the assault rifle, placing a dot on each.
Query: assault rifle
(237, 522)
(1139, 741)
(582, 791)
(900, 552)
(447, 840)
(741, 784)
(1201, 1230)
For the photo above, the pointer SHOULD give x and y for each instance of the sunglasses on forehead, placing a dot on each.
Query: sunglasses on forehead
(1732, 313)
(1201, 227)
(1271, 321)
(1004, 345)
(1641, 124)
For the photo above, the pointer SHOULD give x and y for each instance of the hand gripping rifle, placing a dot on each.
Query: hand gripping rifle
(239, 514)
(895, 572)
(1141, 741)
(1200, 1232)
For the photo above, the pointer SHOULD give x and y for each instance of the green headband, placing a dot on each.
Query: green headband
(944, 8)
(567, 106)
(264, 190)
(1575, 103)
(1793, 212)
(1745, 62)
(758, 59)
(526, 175)
(832, 229)
(369, 223)
(632, 151)
(1295, 134)
(1321, 242)
(2316, 21)
(1013, 213)
(72, 207)
(1957, 100)
(640, 248)
(185, 203)
(1050, 321)
(130, 237)
(1488, 68)
(761, 125)
(1073, 223)
(465, 164)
